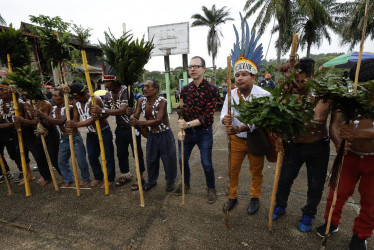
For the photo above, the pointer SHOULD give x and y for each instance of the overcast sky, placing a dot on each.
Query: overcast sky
(138, 15)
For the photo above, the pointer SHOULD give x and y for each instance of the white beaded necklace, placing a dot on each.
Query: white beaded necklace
(10, 109)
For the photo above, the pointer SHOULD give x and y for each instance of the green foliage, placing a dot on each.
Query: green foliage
(328, 87)
(280, 113)
(12, 42)
(83, 35)
(54, 37)
(126, 56)
(27, 80)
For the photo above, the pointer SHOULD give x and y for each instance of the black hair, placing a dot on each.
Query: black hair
(306, 65)
(201, 59)
(366, 71)
(60, 93)
(155, 85)
(39, 95)
(77, 88)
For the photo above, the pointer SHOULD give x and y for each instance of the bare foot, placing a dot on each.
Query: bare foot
(30, 177)
(94, 183)
(66, 184)
(44, 182)
(83, 183)
(103, 186)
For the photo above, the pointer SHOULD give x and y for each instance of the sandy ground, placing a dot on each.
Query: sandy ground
(61, 220)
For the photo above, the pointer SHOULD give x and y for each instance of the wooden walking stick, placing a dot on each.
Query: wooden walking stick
(136, 155)
(278, 166)
(97, 122)
(228, 139)
(65, 89)
(5, 177)
(182, 155)
(55, 184)
(19, 135)
(335, 182)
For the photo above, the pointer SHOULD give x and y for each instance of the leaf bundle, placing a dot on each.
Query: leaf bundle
(281, 113)
(27, 80)
(328, 86)
(126, 56)
(12, 42)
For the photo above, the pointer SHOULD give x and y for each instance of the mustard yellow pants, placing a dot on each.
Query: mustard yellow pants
(239, 150)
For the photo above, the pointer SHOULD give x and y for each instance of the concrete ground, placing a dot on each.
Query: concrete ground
(61, 220)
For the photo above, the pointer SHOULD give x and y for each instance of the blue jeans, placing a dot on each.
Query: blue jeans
(80, 155)
(203, 138)
(93, 151)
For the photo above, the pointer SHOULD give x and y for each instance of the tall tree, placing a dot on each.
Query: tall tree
(2, 20)
(212, 18)
(349, 23)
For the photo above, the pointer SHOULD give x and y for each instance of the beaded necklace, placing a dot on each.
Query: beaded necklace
(10, 109)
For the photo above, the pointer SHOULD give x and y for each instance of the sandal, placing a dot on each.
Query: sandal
(122, 181)
(135, 187)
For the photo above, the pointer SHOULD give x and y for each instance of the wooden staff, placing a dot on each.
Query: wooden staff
(55, 184)
(135, 145)
(20, 140)
(228, 139)
(182, 153)
(278, 166)
(5, 177)
(342, 146)
(65, 89)
(97, 122)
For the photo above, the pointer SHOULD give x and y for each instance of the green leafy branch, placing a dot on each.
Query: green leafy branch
(27, 80)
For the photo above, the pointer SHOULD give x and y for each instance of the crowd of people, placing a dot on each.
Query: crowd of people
(196, 118)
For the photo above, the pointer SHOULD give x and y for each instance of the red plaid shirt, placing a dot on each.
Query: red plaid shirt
(200, 102)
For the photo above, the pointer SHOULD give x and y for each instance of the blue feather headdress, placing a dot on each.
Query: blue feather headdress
(108, 73)
(245, 56)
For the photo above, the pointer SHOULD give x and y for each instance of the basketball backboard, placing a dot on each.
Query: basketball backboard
(170, 39)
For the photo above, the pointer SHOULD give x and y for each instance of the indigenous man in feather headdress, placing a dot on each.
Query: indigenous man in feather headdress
(311, 148)
(116, 102)
(82, 105)
(358, 166)
(246, 60)
(58, 117)
(160, 138)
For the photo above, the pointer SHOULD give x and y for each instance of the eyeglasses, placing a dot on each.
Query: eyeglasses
(194, 66)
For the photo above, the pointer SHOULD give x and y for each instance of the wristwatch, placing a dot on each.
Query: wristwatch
(188, 125)
(103, 110)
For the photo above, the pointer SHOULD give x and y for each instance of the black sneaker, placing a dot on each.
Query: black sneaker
(178, 191)
(9, 175)
(322, 229)
(253, 206)
(357, 243)
(212, 197)
(2, 179)
(35, 168)
(170, 187)
(19, 177)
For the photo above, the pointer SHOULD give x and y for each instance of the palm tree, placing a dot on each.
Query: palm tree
(2, 21)
(350, 22)
(212, 18)
(287, 13)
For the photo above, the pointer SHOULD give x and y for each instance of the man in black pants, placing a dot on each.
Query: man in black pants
(116, 102)
(160, 139)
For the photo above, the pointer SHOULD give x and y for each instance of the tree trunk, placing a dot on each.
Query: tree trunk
(279, 52)
(214, 70)
(308, 49)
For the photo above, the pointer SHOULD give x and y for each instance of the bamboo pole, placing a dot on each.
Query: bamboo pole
(71, 140)
(182, 153)
(20, 140)
(278, 166)
(135, 145)
(55, 184)
(97, 122)
(5, 177)
(228, 139)
(362, 43)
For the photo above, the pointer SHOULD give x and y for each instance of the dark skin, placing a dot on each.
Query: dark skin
(72, 124)
(151, 93)
(115, 89)
(60, 119)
